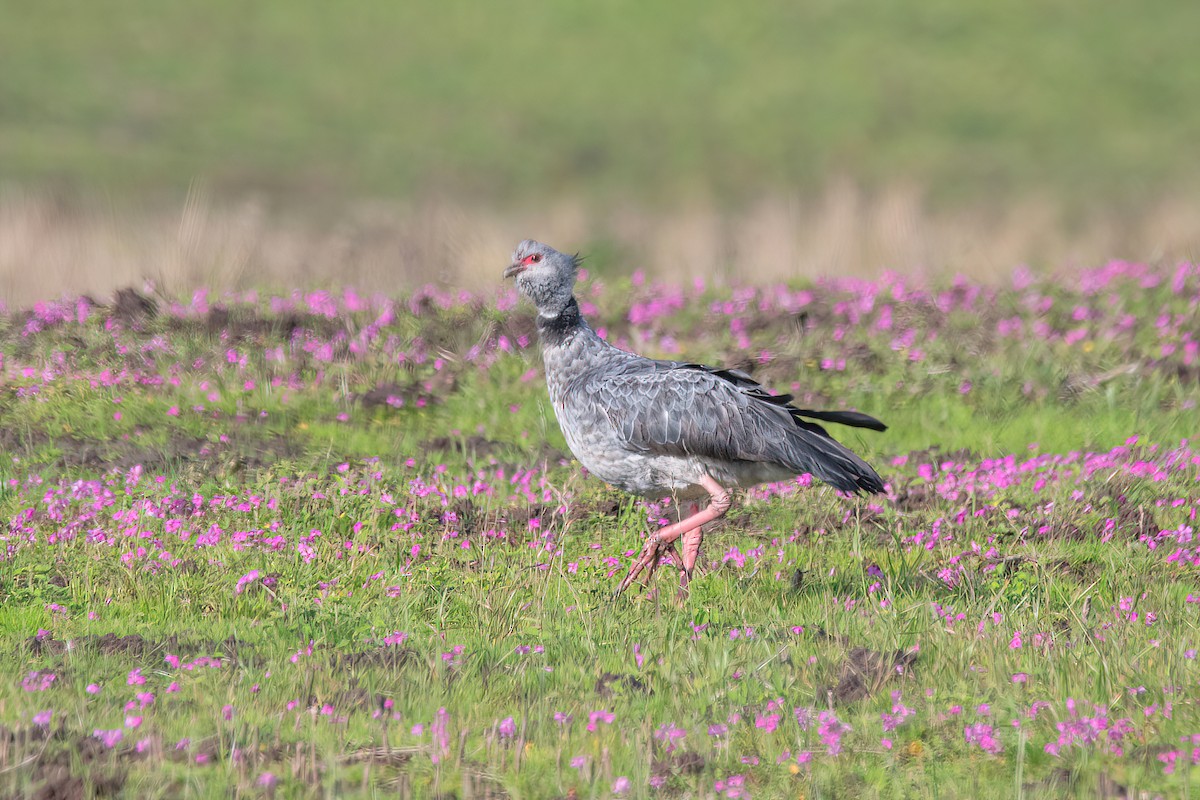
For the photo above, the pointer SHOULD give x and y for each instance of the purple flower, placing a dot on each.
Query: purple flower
(804, 717)
(109, 738)
(596, 717)
(508, 728)
(900, 713)
(668, 734)
(981, 734)
(767, 722)
(439, 729)
(38, 681)
(248, 578)
(831, 730)
(733, 786)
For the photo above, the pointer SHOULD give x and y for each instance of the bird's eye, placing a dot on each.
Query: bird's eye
(536, 257)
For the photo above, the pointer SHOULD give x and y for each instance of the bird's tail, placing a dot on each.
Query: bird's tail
(813, 450)
(855, 419)
(832, 462)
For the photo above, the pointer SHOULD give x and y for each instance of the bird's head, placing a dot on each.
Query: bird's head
(544, 275)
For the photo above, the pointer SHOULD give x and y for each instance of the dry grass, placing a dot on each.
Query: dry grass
(49, 247)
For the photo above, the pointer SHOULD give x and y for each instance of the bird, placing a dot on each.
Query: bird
(656, 428)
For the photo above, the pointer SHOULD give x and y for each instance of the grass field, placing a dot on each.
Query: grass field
(527, 100)
(332, 545)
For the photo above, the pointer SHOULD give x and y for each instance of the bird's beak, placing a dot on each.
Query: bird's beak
(513, 270)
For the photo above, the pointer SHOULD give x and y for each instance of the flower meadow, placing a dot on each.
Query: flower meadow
(325, 544)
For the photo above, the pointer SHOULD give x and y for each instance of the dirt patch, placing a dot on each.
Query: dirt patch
(684, 763)
(21, 441)
(136, 646)
(49, 761)
(1136, 522)
(1083, 572)
(58, 784)
(130, 644)
(603, 507)
(608, 682)
(864, 672)
(798, 579)
(108, 644)
(516, 518)
(238, 454)
(391, 395)
(249, 324)
(356, 697)
(479, 447)
(1062, 782)
(913, 496)
(380, 657)
(132, 308)
(391, 756)
(386, 394)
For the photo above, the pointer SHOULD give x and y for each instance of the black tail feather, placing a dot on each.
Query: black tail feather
(743, 381)
(854, 419)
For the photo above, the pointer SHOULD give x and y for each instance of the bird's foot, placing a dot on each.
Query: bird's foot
(663, 540)
(649, 558)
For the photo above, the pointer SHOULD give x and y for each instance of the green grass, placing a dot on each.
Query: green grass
(621, 100)
(1075, 545)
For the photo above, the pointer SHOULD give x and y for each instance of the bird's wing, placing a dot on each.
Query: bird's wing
(746, 384)
(679, 409)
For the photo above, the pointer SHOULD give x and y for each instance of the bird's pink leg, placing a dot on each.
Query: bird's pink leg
(691, 551)
(718, 505)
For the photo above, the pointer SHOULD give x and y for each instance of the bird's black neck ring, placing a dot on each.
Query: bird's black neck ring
(557, 328)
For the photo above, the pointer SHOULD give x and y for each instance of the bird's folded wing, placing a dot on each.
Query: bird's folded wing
(684, 411)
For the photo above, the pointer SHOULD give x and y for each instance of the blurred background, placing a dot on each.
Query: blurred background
(283, 143)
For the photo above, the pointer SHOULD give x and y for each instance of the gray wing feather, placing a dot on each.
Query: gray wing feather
(679, 409)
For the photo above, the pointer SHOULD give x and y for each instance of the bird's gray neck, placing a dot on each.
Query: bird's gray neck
(556, 329)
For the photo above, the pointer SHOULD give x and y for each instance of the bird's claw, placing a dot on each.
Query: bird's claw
(649, 557)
